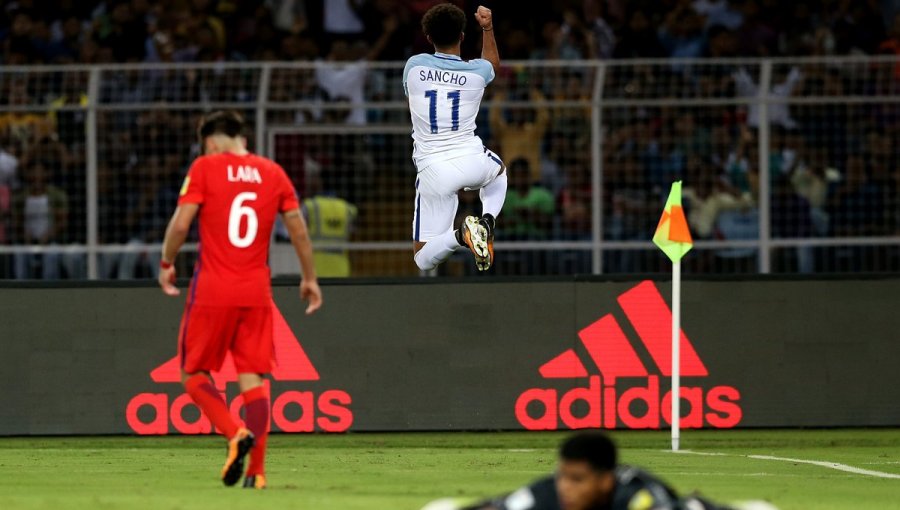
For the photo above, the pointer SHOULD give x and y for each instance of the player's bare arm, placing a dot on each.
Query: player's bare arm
(309, 285)
(488, 43)
(176, 234)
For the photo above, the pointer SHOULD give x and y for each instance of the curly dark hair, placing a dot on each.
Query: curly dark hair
(444, 23)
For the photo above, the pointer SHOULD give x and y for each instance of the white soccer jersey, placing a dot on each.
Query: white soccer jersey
(445, 94)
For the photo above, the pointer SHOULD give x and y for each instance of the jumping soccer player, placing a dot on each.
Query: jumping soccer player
(589, 478)
(229, 306)
(445, 94)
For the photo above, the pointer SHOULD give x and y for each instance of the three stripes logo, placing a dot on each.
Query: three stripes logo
(641, 405)
(329, 411)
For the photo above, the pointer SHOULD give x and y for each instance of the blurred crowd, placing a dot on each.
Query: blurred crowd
(833, 165)
(69, 31)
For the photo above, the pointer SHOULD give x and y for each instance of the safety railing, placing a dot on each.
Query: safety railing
(789, 165)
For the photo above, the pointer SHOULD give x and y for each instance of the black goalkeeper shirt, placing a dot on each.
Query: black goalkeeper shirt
(635, 490)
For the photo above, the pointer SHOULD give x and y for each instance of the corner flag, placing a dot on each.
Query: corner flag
(672, 234)
(674, 239)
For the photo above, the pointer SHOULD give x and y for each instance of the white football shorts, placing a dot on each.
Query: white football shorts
(438, 184)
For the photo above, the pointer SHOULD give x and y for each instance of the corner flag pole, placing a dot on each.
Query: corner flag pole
(676, 354)
(674, 238)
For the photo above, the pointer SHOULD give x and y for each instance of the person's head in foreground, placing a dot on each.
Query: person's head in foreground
(222, 131)
(585, 476)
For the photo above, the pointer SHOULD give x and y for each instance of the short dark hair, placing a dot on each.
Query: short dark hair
(444, 23)
(228, 123)
(593, 447)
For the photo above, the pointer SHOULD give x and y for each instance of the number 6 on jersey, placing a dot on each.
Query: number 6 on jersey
(235, 217)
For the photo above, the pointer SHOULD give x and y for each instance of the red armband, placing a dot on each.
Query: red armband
(164, 265)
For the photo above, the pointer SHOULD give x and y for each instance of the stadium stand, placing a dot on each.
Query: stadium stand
(592, 111)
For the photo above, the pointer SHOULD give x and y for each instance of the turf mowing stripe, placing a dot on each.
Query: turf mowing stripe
(831, 465)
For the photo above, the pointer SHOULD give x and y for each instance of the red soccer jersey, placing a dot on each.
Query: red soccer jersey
(239, 198)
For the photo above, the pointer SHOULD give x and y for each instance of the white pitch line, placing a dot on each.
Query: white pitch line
(831, 465)
(705, 454)
(754, 475)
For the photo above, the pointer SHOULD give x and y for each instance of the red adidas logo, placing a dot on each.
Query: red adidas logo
(328, 412)
(638, 407)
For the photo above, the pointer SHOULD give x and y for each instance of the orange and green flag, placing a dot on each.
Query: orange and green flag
(672, 234)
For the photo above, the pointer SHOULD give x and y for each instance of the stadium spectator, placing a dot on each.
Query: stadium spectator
(741, 165)
(289, 15)
(18, 48)
(792, 219)
(155, 194)
(343, 75)
(710, 196)
(570, 40)
(559, 149)
(855, 209)
(575, 199)
(123, 30)
(720, 43)
(855, 205)
(598, 21)
(8, 166)
(719, 13)
(289, 85)
(387, 28)
(638, 39)
(757, 36)
(343, 19)
(23, 127)
(68, 38)
(519, 131)
(39, 214)
(527, 216)
(811, 182)
(737, 225)
(783, 86)
(859, 27)
(9, 163)
(681, 34)
(529, 207)
(891, 45)
(691, 138)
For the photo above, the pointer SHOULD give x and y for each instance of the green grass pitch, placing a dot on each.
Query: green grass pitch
(404, 471)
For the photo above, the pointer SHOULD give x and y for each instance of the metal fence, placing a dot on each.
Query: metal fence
(790, 165)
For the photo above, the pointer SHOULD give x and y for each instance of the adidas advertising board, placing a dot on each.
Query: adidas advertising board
(615, 358)
(551, 354)
(327, 412)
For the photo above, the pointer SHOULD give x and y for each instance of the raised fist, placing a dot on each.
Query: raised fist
(483, 17)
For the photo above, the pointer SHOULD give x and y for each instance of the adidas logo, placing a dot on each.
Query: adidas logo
(327, 412)
(600, 404)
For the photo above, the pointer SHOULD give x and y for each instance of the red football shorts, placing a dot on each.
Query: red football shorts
(208, 333)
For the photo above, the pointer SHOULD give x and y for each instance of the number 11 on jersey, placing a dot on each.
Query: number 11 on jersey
(454, 109)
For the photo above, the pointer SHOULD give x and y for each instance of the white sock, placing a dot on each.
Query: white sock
(437, 250)
(493, 195)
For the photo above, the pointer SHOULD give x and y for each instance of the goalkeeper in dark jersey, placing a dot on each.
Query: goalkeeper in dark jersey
(589, 478)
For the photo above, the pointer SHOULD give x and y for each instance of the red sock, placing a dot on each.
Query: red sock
(210, 402)
(256, 415)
